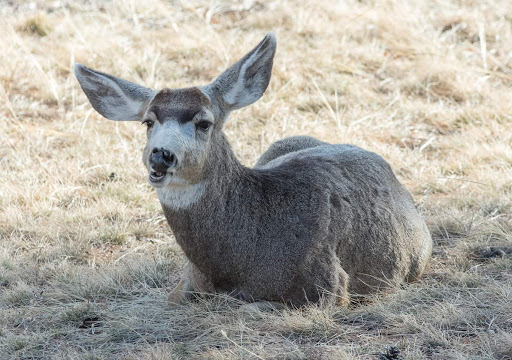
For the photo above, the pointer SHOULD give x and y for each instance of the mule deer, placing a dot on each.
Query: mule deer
(310, 221)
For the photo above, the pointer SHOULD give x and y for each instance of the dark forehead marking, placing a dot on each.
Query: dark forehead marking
(179, 104)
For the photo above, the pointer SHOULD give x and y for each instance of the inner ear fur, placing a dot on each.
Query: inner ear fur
(112, 97)
(245, 81)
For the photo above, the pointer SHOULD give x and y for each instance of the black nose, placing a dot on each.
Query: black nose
(162, 159)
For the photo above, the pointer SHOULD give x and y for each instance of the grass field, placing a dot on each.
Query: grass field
(86, 256)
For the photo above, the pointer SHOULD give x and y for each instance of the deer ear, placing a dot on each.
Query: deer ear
(114, 98)
(246, 80)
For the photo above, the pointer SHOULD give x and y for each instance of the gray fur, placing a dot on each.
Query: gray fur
(310, 222)
(286, 146)
(245, 81)
(114, 98)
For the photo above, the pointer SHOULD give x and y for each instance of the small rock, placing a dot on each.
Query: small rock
(90, 322)
(491, 252)
(392, 353)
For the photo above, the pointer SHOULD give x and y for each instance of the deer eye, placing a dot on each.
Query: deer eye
(148, 122)
(203, 125)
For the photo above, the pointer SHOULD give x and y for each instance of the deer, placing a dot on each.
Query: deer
(310, 223)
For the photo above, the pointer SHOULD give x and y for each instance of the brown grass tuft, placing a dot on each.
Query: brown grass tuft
(36, 25)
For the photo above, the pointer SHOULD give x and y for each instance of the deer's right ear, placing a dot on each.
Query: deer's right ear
(114, 98)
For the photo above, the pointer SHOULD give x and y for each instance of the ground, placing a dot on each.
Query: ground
(86, 257)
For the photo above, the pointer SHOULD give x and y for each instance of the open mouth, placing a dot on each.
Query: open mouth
(156, 176)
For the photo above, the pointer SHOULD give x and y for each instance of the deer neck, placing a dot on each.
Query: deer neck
(201, 226)
(223, 170)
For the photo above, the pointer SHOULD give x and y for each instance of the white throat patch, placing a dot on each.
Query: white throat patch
(180, 197)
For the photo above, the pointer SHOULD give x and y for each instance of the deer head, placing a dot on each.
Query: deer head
(182, 124)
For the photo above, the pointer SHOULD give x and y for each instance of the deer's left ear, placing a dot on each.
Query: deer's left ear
(114, 98)
(246, 80)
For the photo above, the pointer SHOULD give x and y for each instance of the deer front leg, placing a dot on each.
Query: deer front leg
(192, 283)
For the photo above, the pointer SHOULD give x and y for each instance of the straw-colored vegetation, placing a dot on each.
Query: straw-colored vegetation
(86, 256)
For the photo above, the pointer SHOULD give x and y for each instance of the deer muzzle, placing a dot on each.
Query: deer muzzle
(162, 162)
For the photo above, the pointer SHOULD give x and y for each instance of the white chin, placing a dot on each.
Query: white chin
(168, 180)
(158, 182)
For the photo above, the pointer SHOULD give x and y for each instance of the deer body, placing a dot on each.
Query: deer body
(310, 220)
(273, 247)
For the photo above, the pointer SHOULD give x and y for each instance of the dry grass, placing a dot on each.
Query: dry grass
(86, 255)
